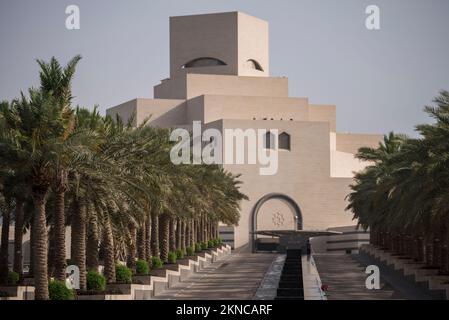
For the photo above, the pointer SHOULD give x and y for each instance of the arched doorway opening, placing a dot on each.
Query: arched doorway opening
(274, 211)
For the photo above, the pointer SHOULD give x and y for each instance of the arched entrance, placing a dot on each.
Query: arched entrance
(283, 214)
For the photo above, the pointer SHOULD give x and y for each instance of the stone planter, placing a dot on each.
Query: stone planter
(158, 272)
(92, 297)
(119, 288)
(17, 293)
(142, 279)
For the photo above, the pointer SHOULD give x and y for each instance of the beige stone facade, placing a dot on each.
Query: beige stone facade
(219, 75)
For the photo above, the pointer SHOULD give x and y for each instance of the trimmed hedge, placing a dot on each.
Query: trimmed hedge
(142, 267)
(203, 245)
(58, 291)
(190, 251)
(95, 281)
(13, 278)
(123, 274)
(197, 247)
(179, 254)
(172, 257)
(156, 263)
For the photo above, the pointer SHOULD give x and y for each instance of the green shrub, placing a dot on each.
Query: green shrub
(13, 278)
(96, 281)
(156, 263)
(179, 254)
(58, 291)
(197, 247)
(210, 244)
(203, 245)
(172, 257)
(220, 241)
(123, 274)
(142, 267)
(190, 251)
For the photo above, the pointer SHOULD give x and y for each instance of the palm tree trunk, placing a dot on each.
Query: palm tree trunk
(204, 228)
(59, 236)
(429, 252)
(420, 246)
(183, 235)
(132, 247)
(40, 246)
(5, 243)
(436, 253)
(193, 230)
(148, 238)
(93, 240)
(32, 241)
(18, 238)
(444, 259)
(79, 240)
(188, 232)
(198, 230)
(155, 234)
(389, 241)
(51, 249)
(141, 239)
(172, 234)
(212, 230)
(178, 232)
(209, 229)
(217, 229)
(165, 234)
(109, 254)
(445, 253)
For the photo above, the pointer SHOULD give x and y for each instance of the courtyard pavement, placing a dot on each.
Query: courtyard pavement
(237, 276)
(345, 278)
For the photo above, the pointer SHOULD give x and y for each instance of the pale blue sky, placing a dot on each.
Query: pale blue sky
(379, 80)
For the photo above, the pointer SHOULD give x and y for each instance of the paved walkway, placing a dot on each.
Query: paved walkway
(345, 278)
(237, 276)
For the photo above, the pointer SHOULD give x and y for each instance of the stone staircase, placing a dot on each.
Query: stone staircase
(145, 291)
(345, 279)
(427, 278)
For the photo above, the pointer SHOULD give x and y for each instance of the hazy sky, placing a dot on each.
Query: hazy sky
(379, 80)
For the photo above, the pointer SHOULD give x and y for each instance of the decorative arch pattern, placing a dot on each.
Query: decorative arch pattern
(289, 201)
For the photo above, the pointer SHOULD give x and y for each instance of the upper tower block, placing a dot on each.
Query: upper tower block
(230, 43)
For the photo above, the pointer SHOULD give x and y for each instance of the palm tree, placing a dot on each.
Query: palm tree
(56, 81)
(402, 196)
(112, 182)
(6, 217)
(34, 152)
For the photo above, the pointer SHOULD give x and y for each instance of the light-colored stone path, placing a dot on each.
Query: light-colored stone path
(237, 276)
(345, 277)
